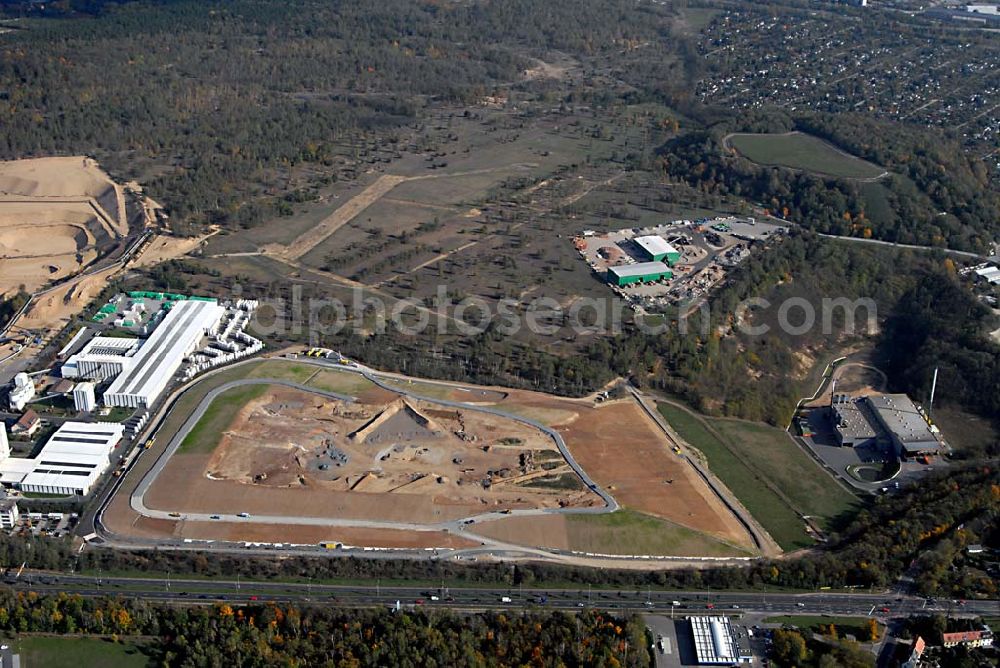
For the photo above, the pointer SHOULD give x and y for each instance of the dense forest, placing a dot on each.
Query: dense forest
(270, 635)
(934, 195)
(223, 108)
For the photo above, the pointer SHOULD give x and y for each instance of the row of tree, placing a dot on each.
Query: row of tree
(270, 635)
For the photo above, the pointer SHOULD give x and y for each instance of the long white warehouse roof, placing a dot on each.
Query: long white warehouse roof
(713, 641)
(71, 460)
(163, 352)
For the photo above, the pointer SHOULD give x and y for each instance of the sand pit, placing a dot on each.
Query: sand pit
(297, 453)
(164, 247)
(56, 215)
(53, 310)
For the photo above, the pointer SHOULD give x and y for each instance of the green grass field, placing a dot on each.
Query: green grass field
(217, 418)
(768, 508)
(804, 152)
(631, 532)
(811, 489)
(343, 382)
(845, 625)
(79, 653)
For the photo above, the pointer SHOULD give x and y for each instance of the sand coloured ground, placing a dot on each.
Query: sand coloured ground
(621, 449)
(55, 215)
(164, 247)
(407, 461)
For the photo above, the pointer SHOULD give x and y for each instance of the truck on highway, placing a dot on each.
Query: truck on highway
(505, 599)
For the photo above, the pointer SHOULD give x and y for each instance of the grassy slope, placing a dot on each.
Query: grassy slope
(343, 382)
(631, 532)
(803, 152)
(810, 488)
(217, 418)
(79, 653)
(767, 507)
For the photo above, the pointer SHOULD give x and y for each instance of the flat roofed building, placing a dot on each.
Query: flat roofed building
(69, 463)
(715, 643)
(102, 357)
(904, 424)
(8, 513)
(83, 397)
(643, 272)
(989, 274)
(656, 249)
(162, 353)
(851, 423)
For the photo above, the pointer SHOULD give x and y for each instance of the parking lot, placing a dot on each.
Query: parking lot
(841, 460)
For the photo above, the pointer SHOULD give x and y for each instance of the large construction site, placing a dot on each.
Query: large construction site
(299, 453)
(407, 460)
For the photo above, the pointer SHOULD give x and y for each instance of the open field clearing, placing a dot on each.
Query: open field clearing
(75, 652)
(804, 152)
(775, 456)
(774, 478)
(56, 216)
(765, 505)
(343, 382)
(625, 532)
(275, 450)
(622, 449)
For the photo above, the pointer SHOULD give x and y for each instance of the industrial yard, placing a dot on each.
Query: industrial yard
(674, 263)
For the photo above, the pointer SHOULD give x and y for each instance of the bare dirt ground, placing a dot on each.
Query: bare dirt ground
(621, 449)
(296, 453)
(349, 536)
(55, 309)
(338, 218)
(550, 531)
(55, 215)
(164, 247)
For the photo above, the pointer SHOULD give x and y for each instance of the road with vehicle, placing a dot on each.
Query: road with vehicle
(170, 588)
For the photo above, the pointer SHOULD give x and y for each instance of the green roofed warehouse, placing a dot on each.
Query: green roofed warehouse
(643, 272)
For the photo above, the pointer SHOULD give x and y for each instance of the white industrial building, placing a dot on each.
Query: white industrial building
(715, 643)
(103, 357)
(21, 393)
(162, 354)
(989, 274)
(69, 463)
(84, 398)
(9, 513)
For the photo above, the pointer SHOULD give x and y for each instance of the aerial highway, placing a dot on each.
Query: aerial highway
(167, 587)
